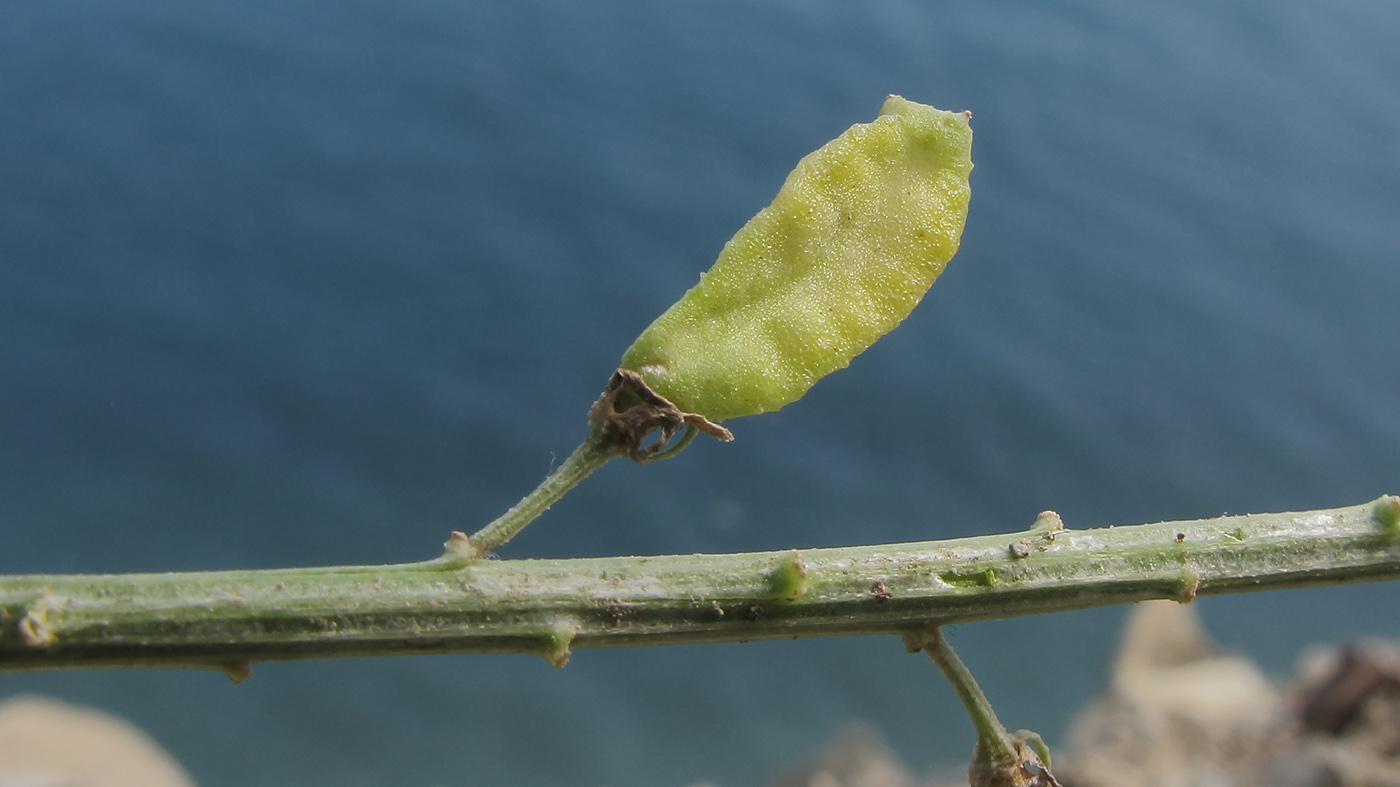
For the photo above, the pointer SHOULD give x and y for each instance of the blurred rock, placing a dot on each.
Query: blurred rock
(47, 743)
(1176, 715)
(859, 757)
(1347, 703)
(1339, 684)
(1179, 715)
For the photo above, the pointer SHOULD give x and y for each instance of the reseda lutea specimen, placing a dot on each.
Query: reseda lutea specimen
(855, 237)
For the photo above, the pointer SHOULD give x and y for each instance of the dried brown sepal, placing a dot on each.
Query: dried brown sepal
(629, 411)
(1026, 771)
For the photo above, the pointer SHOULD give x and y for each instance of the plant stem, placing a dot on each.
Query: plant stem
(625, 414)
(595, 452)
(227, 619)
(995, 742)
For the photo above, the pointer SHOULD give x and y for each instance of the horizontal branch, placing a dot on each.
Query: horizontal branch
(228, 619)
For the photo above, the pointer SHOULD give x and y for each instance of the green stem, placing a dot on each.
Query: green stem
(591, 455)
(624, 415)
(992, 738)
(226, 619)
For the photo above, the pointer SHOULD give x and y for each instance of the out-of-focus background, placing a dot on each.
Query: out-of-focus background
(289, 283)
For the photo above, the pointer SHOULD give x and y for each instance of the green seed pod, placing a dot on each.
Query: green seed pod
(846, 250)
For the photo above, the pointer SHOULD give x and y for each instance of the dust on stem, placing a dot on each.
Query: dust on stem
(625, 415)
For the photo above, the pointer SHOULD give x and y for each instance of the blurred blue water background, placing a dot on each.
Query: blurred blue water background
(288, 283)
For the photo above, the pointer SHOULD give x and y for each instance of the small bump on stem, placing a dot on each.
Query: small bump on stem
(1387, 515)
(558, 640)
(459, 548)
(239, 671)
(1048, 524)
(788, 579)
(35, 628)
(1189, 584)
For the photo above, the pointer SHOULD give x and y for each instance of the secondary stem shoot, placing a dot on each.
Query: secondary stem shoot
(625, 415)
(1000, 759)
